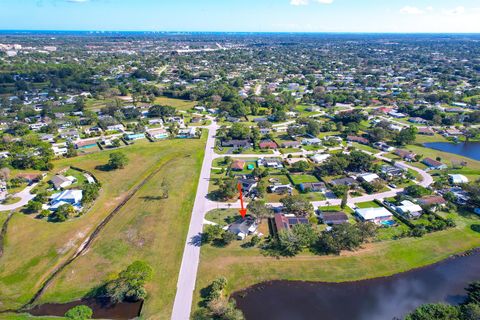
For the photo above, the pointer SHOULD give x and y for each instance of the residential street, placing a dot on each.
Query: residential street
(25, 197)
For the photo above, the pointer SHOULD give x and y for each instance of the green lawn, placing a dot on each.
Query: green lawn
(302, 178)
(179, 104)
(370, 204)
(11, 200)
(222, 217)
(147, 228)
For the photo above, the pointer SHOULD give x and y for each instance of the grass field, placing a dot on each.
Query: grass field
(179, 104)
(244, 267)
(146, 228)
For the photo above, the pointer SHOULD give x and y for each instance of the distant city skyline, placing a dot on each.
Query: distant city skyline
(396, 16)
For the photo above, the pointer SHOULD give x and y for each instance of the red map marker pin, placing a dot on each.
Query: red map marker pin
(243, 211)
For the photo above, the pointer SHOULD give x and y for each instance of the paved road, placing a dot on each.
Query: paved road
(25, 197)
(191, 254)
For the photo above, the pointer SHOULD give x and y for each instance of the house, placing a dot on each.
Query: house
(434, 164)
(452, 132)
(290, 144)
(311, 141)
(432, 201)
(267, 144)
(313, 187)
(60, 181)
(320, 157)
(332, 218)
(344, 181)
(116, 127)
(59, 151)
(409, 209)
(157, 134)
(237, 165)
(284, 222)
(417, 120)
(457, 179)
(357, 139)
(368, 177)
(86, 144)
(48, 138)
(281, 189)
(237, 144)
(70, 135)
(270, 163)
(379, 216)
(391, 171)
(30, 177)
(187, 133)
(405, 155)
(396, 114)
(134, 136)
(71, 197)
(383, 146)
(243, 227)
(248, 185)
(426, 131)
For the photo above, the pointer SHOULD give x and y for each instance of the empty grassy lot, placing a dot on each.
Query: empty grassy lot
(179, 104)
(146, 228)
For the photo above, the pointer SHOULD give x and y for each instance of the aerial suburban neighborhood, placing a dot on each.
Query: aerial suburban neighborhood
(211, 175)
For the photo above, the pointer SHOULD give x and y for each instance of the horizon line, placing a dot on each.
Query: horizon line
(237, 32)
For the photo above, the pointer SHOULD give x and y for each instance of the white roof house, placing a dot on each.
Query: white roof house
(457, 178)
(72, 197)
(374, 214)
(409, 208)
(368, 177)
(319, 157)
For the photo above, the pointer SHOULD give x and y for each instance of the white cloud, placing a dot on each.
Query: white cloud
(411, 10)
(307, 2)
(298, 2)
(77, 1)
(456, 11)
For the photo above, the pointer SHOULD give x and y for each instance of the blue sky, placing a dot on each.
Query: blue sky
(243, 15)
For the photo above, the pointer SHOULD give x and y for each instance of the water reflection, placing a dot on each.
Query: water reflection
(376, 299)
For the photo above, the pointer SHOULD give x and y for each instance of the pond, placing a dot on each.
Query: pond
(102, 309)
(469, 150)
(375, 299)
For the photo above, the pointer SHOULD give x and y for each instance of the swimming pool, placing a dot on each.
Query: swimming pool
(388, 223)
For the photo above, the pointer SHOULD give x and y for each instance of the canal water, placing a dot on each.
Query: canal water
(101, 309)
(376, 299)
(469, 150)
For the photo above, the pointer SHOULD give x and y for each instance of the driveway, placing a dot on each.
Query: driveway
(25, 197)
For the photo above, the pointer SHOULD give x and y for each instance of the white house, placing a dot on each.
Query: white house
(320, 157)
(71, 197)
(376, 215)
(409, 209)
(457, 179)
(368, 177)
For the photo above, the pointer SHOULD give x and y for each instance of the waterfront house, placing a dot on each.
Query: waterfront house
(434, 164)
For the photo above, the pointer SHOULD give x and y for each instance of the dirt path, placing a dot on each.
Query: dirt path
(3, 232)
